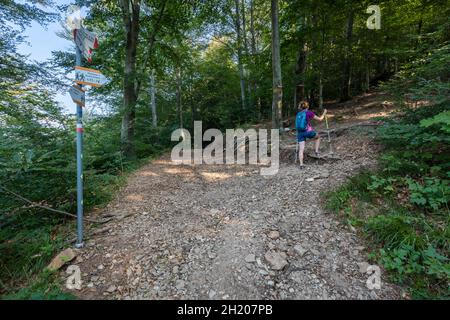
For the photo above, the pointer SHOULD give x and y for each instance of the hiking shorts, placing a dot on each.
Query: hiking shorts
(303, 135)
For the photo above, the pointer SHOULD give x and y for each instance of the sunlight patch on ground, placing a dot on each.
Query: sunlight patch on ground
(177, 170)
(215, 176)
(135, 197)
(148, 174)
(162, 162)
(372, 115)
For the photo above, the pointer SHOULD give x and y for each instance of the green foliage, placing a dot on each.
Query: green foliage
(45, 286)
(40, 165)
(338, 200)
(442, 119)
(433, 195)
(412, 246)
(383, 185)
(395, 229)
(426, 266)
(409, 218)
(407, 260)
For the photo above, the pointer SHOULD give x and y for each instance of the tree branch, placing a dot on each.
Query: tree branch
(45, 207)
(151, 40)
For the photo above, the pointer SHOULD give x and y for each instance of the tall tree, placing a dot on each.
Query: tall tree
(252, 26)
(179, 92)
(347, 75)
(252, 81)
(153, 98)
(300, 66)
(246, 52)
(239, 52)
(277, 98)
(130, 16)
(132, 79)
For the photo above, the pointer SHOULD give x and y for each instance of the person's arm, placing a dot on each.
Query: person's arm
(322, 116)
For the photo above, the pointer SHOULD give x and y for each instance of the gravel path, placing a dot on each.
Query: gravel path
(226, 232)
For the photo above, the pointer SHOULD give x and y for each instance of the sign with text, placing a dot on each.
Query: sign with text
(77, 95)
(90, 77)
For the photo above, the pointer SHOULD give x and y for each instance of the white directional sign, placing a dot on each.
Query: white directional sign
(77, 95)
(90, 77)
(85, 41)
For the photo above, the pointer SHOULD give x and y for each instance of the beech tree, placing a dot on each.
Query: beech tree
(277, 99)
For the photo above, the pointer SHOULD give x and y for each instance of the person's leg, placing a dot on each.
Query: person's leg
(317, 143)
(301, 149)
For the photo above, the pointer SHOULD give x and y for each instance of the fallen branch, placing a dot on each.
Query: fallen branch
(344, 128)
(339, 130)
(325, 157)
(34, 204)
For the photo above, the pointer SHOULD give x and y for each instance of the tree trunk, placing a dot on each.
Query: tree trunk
(246, 54)
(131, 23)
(252, 26)
(153, 99)
(151, 43)
(239, 53)
(179, 105)
(347, 80)
(299, 74)
(277, 98)
(322, 49)
(259, 109)
(300, 70)
(320, 92)
(191, 102)
(244, 27)
(367, 88)
(419, 31)
(254, 83)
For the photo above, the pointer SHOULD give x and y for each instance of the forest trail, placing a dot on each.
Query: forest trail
(227, 232)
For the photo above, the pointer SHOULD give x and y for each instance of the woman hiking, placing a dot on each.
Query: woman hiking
(305, 130)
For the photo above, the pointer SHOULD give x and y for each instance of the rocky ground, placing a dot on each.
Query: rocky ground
(227, 232)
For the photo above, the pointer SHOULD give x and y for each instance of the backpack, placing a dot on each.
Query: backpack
(301, 122)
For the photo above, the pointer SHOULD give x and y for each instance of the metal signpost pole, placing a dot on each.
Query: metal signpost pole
(79, 243)
(85, 41)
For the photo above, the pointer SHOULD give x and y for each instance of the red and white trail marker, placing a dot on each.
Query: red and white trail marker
(86, 41)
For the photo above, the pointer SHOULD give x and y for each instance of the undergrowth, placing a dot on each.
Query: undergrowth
(403, 208)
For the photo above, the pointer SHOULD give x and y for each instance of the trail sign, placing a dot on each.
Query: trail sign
(90, 77)
(77, 95)
(85, 41)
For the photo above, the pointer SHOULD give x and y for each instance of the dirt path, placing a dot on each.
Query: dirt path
(218, 232)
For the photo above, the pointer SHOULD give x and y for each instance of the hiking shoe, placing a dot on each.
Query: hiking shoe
(317, 154)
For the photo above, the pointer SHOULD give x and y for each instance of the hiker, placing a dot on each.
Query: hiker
(305, 130)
